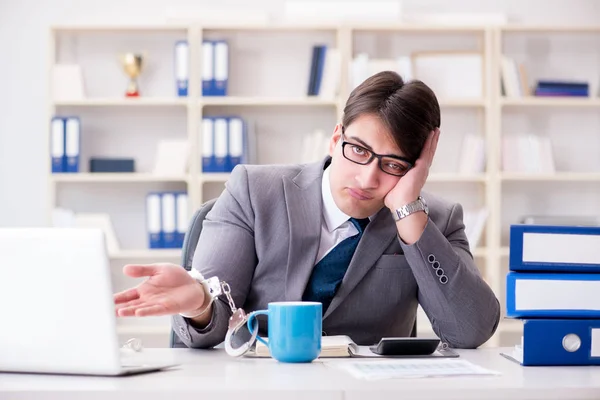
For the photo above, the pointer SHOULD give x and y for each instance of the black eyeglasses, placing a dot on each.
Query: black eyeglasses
(392, 165)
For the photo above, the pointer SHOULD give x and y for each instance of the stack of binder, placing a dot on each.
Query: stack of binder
(215, 67)
(166, 219)
(553, 286)
(224, 143)
(65, 137)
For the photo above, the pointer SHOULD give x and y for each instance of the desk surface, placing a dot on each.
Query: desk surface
(211, 374)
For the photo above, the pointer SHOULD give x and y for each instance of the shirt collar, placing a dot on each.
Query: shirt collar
(334, 217)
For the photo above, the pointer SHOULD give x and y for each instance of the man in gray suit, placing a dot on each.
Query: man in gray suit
(354, 232)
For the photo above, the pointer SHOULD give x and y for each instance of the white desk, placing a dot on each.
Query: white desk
(206, 375)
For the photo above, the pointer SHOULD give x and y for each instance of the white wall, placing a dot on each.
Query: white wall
(23, 72)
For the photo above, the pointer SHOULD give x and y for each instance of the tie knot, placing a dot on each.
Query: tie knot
(360, 224)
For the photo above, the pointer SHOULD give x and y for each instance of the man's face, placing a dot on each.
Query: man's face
(359, 190)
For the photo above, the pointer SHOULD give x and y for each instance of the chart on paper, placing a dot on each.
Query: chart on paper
(411, 368)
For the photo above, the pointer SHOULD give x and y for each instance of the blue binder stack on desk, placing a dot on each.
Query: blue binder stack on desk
(553, 285)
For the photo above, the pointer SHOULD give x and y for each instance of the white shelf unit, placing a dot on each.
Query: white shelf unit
(269, 108)
(571, 123)
(104, 82)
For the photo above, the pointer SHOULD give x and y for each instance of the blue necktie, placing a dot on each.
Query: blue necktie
(327, 275)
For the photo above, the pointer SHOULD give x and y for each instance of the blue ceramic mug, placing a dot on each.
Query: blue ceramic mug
(294, 330)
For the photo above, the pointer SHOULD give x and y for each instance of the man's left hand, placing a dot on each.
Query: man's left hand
(410, 185)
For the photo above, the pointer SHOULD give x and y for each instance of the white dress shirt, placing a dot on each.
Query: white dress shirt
(335, 225)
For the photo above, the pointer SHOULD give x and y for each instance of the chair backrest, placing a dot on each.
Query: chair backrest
(192, 235)
(190, 242)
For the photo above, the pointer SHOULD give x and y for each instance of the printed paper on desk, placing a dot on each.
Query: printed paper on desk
(411, 368)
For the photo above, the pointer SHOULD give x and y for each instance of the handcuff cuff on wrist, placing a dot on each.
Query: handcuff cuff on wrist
(238, 340)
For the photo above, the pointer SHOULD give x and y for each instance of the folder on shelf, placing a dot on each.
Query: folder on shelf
(554, 248)
(182, 67)
(72, 144)
(221, 146)
(319, 53)
(57, 144)
(208, 145)
(182, 218)
(551, 295)
(237, 143)
(221, 67)
(320, 68)
(330, 82)
(154, 220)
(558, 342)
(207, 68)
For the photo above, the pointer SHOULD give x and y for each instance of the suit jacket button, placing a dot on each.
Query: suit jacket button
(443, 279)
(439, 272)
(431, 258)
(435, 264)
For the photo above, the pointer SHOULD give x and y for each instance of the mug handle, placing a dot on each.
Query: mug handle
(249, 324)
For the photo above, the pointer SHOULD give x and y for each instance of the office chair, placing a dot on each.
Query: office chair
(187, 255)
(187, 251)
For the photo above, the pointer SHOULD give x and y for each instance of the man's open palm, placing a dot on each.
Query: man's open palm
(168, 290)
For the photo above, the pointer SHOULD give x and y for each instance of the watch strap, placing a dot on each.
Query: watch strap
(410, 208)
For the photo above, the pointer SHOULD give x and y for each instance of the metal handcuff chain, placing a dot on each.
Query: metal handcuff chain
(237, 321)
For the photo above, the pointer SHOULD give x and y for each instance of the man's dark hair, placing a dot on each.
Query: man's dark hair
(409, 110)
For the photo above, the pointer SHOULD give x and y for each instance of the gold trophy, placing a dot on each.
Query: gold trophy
(132, 64)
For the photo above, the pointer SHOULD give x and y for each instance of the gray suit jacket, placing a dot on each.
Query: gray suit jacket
(262, 237)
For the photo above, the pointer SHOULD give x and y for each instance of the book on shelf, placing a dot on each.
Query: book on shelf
(472, 157)
(314, 146)
(342, 346)
(474, 221)
(513, 78)
(67, 218)
(527, 153)
(324, 71)
(567, 88)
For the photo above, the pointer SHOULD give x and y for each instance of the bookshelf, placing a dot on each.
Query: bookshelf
(118, 126)
(570, 123)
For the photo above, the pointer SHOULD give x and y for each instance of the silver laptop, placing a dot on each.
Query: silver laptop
(56, 304)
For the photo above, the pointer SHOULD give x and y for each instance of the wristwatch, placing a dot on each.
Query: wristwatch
(414, 206)
(211, 286)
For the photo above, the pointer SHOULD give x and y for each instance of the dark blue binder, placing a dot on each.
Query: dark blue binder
(169, 219)
(154, 220)
(567, 252)
(72, 144)
(57, 145)
(558, 342)
(220, 67)
(181, 201)
(221, 143)
(181, 58)
(208, 68)
(237, 143)
(208, 145)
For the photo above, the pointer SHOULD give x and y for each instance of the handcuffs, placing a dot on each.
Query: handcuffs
(238, 340)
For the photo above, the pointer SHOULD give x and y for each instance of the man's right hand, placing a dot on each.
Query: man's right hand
(168, 290)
